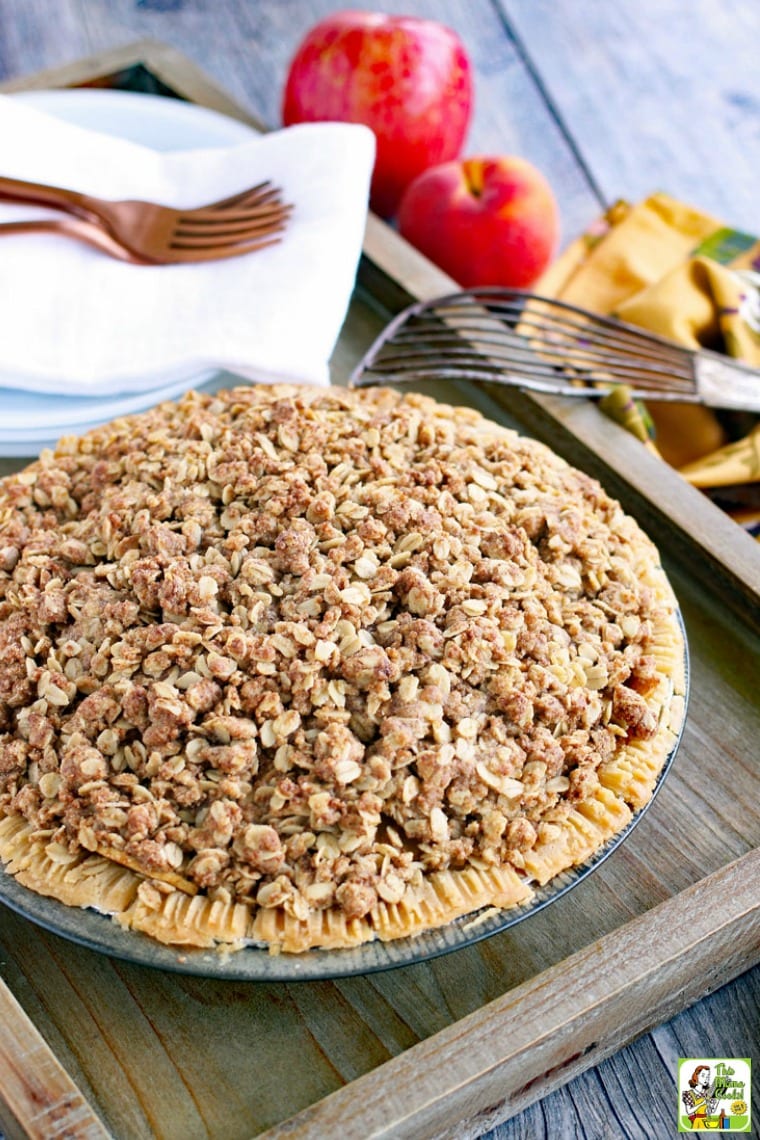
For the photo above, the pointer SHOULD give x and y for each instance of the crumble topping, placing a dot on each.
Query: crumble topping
(299, 650)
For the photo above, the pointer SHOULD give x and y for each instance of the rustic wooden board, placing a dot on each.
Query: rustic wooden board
(525, 1043)
(39, 1097)
(656, 95)
(161, 1055)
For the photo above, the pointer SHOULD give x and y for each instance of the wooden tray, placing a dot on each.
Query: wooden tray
(91, 1046)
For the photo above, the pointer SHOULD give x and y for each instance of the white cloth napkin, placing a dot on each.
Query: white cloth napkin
(75, 321)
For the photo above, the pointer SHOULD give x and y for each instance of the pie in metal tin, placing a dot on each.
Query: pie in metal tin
(299, 668)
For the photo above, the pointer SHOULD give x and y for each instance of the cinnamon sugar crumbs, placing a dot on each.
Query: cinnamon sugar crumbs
(303, 648)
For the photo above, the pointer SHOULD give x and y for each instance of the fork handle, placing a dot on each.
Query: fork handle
(725, 383)
(90, 232)
(38, 194)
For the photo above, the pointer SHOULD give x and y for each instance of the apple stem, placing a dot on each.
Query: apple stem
(473, 172)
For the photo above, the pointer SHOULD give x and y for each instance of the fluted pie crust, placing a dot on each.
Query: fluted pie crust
(304, 668)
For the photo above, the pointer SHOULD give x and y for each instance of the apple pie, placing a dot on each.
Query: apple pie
(301, 668)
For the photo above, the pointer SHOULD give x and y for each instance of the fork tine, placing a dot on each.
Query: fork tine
(233, 221)
(225, 239)
(258, 208)
(219, 253)
(229, 217)
(261, 192)
(224, 234)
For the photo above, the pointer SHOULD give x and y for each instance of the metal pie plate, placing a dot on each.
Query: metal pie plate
(99, 932)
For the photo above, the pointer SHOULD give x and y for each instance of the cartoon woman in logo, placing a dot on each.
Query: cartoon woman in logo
(700, 1101)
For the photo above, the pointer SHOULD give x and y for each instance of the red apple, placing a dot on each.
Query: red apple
(484, 221)
(407, 79)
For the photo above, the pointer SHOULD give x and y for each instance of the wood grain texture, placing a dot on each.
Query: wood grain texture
(659, 94)
(39, 1099)
(516, 1049)
(633, 1094)
(163, 1056)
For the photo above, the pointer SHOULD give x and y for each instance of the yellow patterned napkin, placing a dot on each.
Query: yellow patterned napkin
(672, 269)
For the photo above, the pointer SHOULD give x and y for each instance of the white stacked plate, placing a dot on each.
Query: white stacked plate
(30, 421)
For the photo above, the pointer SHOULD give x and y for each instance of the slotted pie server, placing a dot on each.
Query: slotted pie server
(507, 336)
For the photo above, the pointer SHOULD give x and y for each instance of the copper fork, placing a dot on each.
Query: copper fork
(147, 233)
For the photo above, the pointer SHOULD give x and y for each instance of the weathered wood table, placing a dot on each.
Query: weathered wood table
(608, 100)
